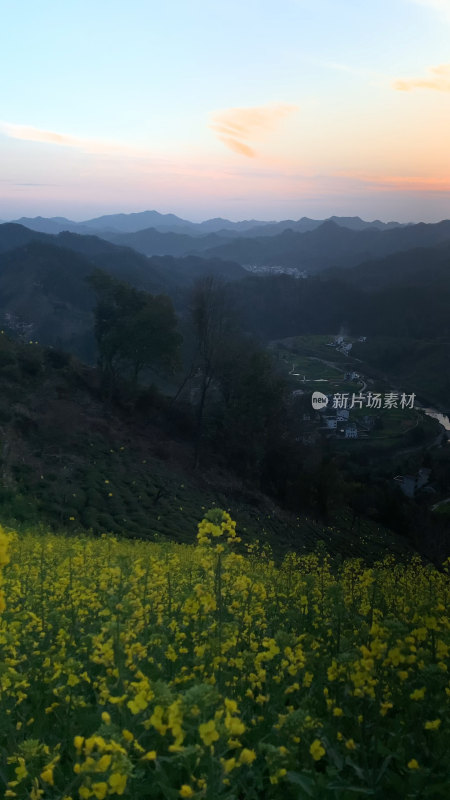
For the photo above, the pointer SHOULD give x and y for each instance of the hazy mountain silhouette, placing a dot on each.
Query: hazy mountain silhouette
(43, 281)
(153, 242)
(331, 245)
(421, 266)
(128, 223)
(122, 261)
(52, 225)
(131, 223)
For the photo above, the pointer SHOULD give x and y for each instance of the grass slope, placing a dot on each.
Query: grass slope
(70, 461)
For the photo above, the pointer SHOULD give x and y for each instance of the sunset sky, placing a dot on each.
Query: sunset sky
(245, 109)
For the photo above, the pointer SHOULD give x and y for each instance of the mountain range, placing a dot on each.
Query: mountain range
(306, 244)
(392, 281)
(43, 282)
(131, 223)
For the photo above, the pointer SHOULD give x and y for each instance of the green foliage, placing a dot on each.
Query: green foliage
(249, 412)
(134, 330)
(58, 358)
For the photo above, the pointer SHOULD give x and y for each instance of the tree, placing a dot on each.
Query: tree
(134, 330)
(251, 405)
(212, 321)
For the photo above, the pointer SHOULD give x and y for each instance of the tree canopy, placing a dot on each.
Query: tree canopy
(134, 330)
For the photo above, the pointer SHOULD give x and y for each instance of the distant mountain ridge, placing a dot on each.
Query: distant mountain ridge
(137, 221)
(307, 245)
(163, 274)
(128, 223)
(393, 282)
(330, 245)
(43, 281)
(153, 242)
(52, 225)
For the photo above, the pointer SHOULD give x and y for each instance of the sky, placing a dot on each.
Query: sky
(244, 109)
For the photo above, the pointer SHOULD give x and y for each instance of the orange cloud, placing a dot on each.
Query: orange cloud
(235, 126)
(238, 147)
(438, 81)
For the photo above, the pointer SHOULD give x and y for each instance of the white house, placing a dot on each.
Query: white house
(351, 431)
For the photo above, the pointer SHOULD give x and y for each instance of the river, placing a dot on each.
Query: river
(443, 419)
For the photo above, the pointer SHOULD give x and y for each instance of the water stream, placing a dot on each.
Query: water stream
(443, 419)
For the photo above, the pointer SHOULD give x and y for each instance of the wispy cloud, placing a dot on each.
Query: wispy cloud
(29, 133)
(236, 127)
(442, 6)
(399, 183)
(439, 81)
(34, 184)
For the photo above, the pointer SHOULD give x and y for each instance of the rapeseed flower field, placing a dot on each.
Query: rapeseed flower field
(152, 670)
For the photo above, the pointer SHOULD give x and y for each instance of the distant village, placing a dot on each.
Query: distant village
(342, 346)
(337, 423)
(276, 270)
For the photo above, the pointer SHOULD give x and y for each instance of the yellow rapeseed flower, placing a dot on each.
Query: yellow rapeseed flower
(186, 791)
(47, 776)
(234, 725)
(228, 764)
(432, 725)
(21, 771)
(317, 750)
(247, 756)
(150, 756)
(208, 732)
(384, 708)
(117, 782)
(100, 790)
(103, 763)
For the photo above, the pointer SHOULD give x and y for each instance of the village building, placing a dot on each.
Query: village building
(351, 431)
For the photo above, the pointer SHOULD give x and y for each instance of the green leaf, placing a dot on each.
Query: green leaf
(340, 787)
(307, 784)
(384, 767)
